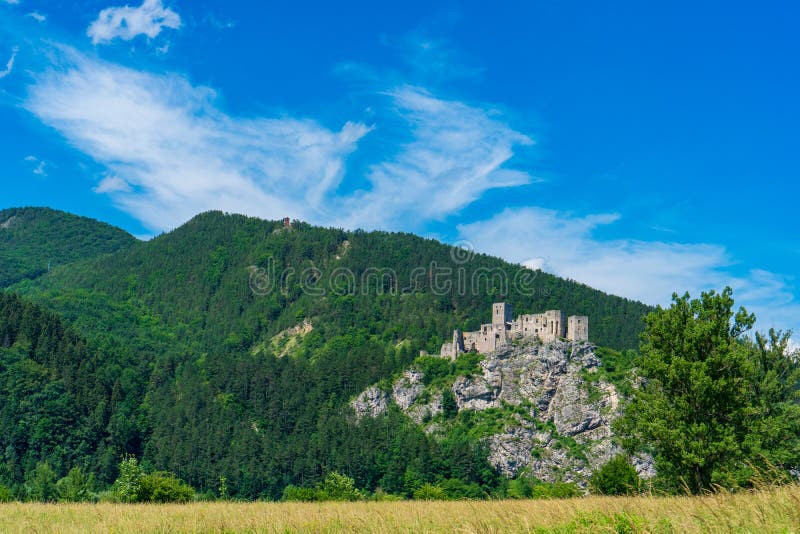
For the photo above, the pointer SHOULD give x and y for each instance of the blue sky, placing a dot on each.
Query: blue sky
(641, 148)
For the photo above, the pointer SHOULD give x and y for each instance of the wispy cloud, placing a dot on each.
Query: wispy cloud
(9, 63)
(38, 17)
(649, 271)
(128, 22)
(38, 165)
(456, 154)
(13, 2)
(112, 184)
(433, 59)
(181, 154)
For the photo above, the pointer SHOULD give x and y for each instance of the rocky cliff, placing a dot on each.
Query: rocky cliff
(544, 407)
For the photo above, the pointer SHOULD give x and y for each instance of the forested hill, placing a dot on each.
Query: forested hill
(232, 346)
(31, 239)
(206, 276)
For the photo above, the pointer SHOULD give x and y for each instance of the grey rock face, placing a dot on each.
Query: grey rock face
(567, 432)
(407, 389)
(371, 403)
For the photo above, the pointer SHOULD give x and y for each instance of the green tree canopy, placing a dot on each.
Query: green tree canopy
(616, 477)
(713, 405)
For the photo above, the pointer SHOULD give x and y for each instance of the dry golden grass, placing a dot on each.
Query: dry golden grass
(771, 510)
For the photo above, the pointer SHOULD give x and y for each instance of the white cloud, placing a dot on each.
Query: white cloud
(11, 1)
(127, 22)
(112, 184)
(9, 63)
(38, 17)
(456, 154)
(649, 271)
(181, 155)
(38, 165)
(177, 154)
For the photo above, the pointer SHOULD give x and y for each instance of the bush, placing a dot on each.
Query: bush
(467, 364)
(133, 485)
(338, 487)
(433, 368)
(455, 489)
(6, 494)
(126, 487)
(163, 487)
(41, 483)
(617, 477)
(382, 496)
(520, 488)
(429, 492)
(555, 490)
(526, 486)
(75, 487)
(335, 487)
(296, 493)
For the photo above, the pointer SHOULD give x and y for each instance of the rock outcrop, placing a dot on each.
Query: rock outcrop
(562, 411)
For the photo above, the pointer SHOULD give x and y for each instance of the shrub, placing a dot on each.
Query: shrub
(455, 488)
(75, 487)
(617, 477)
(41, 483)
(526, 486)
(433, 368)
(555, 490)
(338, 487)
(134, 485)
(126, 487)
(520, 488)
(429, 492)
(382, 496)
(163, 487)
(296, 493)
(467, 364)
(5, 494)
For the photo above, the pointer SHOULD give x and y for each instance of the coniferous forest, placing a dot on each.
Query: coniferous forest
(162, 355)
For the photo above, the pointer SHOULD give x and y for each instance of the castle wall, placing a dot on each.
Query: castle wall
(556, 327)
(578, 328)
(530, 325)
(471, 341)
(548, 326)
(447, 351)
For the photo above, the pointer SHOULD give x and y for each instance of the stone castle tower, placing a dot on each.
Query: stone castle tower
(548, 326)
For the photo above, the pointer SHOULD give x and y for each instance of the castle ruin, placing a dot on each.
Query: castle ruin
(548, 326)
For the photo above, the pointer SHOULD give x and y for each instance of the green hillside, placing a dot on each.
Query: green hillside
(202, 366)
(34, 239)
(198, 278)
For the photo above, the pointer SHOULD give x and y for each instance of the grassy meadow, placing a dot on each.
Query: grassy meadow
(771, 510)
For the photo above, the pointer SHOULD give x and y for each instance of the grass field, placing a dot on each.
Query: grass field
(776, 510)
